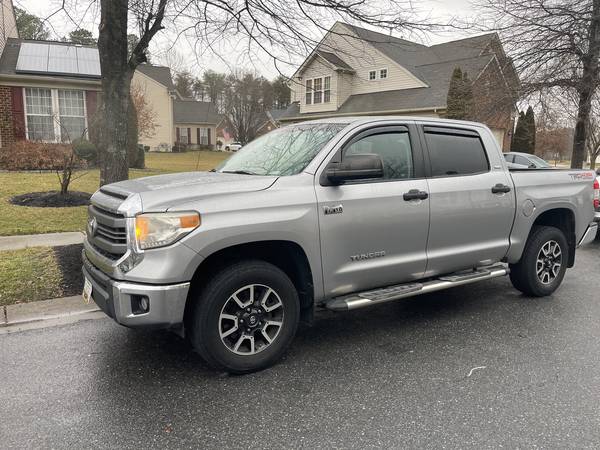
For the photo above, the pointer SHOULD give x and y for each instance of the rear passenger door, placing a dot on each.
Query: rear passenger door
(471, 218)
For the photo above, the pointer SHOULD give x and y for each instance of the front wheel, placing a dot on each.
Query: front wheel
(245, 317)
(543, 264)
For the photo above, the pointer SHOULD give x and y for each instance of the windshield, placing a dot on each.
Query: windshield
(539, 161)
(285, 151)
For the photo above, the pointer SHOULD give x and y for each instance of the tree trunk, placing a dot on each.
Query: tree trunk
(116, 82)
(589, 82)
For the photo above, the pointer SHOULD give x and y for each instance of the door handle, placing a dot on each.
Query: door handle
(500, 189)
(415, 194)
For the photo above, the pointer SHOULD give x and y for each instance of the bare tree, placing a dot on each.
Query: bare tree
(146, 115)
(554, 44)
(117, 71)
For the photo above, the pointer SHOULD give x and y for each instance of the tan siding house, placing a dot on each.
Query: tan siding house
(355, 71)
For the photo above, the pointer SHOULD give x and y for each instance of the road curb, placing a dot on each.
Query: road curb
(45, 310)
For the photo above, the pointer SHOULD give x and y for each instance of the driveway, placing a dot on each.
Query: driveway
(476, 367)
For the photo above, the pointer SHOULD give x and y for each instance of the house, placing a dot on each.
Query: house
(270, 121)
(49, 91)
(355, 71)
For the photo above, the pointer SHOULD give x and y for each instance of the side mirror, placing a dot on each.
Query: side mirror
(598, 172)
(532, 166)
(355, 167)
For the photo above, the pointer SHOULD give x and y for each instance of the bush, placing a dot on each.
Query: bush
(179, 148)
(86, 150)
(138, 160)
(27, 155)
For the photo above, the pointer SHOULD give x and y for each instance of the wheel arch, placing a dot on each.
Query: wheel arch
(288, 256)
(561, 217)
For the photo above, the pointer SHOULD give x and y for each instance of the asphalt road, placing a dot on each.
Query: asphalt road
(402, 375)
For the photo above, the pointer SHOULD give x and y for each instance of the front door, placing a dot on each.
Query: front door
(371, 235)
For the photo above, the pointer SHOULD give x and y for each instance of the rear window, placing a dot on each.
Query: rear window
(455, 153)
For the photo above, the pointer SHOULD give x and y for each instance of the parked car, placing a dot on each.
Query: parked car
(337, 214)
(233, 147)
(527, 160)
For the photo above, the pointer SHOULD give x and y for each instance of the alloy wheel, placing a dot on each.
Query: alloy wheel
(549, 262)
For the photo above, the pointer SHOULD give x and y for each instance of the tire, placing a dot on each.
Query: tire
(227, 148)
(217, 311)
(542, 241)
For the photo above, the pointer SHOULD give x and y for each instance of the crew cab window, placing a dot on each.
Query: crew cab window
(455, 154)
(393, 148)
(522, 160)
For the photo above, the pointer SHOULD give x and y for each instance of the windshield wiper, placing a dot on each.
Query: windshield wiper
(239, 172)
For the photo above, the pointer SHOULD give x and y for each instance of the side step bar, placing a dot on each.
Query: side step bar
(397, 292)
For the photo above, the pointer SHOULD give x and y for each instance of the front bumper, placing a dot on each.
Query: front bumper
(118, 300)
(589, 235)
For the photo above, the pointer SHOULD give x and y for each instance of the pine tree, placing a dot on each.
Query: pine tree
(467, 89)
(520, 140)
(454, 100)
(530, 126)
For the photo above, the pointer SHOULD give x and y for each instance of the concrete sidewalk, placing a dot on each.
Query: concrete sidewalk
(40, 240)
(59, 309)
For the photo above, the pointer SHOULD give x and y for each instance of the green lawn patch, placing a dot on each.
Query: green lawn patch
(29, 220)
(29, 275)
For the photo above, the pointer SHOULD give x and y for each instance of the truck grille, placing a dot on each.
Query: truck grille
(107, 232)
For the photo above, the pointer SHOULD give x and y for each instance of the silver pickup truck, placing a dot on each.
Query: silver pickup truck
(338, 214)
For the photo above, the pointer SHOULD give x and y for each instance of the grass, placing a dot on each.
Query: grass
(29, 275)
(28, 220)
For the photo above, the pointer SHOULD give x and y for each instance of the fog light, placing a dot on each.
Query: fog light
(140, 304)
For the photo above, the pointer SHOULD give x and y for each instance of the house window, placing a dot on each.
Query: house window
(308, 92)
(55, 115)
(383, 74)
(203, 136)
(183, 136)
(72, 115)
(372, 75)
(318, 94)
(40, 118)
(326, 89)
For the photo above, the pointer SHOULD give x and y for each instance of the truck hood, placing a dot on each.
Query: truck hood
(161, 192)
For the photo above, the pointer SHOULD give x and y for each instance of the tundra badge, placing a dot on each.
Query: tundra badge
(337, 209)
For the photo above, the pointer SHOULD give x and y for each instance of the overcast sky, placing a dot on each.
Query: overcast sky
(183, 55)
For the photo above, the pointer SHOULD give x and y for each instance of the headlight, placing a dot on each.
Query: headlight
(154, 230)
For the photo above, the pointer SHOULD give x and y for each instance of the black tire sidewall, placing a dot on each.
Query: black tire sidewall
(206, 336)
(541, 236)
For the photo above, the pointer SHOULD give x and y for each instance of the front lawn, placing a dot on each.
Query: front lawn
(29, 220)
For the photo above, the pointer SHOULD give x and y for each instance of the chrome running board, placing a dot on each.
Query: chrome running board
(400, 291)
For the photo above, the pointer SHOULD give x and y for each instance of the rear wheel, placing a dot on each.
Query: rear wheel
(245, 317)
(543, 264)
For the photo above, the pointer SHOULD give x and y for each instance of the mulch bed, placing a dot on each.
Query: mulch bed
(52, 199)
(69, 262)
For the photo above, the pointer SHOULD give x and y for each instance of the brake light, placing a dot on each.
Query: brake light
(596, 194)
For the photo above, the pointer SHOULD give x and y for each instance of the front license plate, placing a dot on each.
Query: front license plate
(87, 291)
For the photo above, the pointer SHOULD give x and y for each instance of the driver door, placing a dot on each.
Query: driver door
(372, 234)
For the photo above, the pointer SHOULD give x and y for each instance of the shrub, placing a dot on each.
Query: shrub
(26, 155)
(86, 150)
(179, 148)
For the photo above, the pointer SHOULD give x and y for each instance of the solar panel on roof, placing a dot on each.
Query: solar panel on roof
(62, 59)
(89, 61)
(33, 58)
(58, 59)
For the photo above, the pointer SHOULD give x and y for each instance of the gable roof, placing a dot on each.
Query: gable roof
(192, 111)
(161, 74)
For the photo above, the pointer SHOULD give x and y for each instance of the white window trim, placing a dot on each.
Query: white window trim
(378, 74)
(55, 112)
(322, 90)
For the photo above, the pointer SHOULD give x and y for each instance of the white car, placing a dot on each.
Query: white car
(233, 147)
